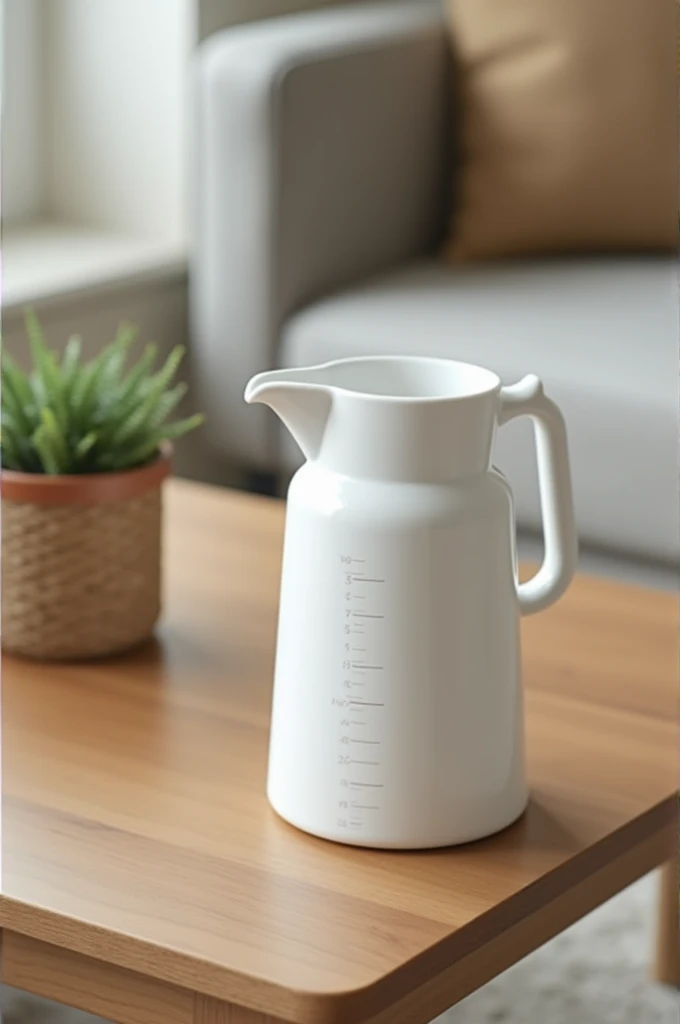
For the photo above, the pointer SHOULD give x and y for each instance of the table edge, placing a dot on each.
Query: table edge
(170, 965)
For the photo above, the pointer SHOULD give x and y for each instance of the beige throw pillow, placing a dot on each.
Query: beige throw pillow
(568, 126)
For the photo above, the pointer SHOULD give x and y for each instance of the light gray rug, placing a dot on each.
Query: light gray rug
(595, 973)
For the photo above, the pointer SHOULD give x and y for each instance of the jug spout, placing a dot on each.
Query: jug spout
(302, 405)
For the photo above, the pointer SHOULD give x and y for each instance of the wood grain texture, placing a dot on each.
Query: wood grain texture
(212, 1011)
(136, 831)
(126, 997)
(667, 960)
(507, 947)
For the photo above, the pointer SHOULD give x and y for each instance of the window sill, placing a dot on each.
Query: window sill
(44, 260)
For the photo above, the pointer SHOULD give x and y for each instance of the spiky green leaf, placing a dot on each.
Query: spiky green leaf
(70, 416)
(71, 360)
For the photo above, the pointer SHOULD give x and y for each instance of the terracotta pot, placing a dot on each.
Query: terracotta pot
(81, 561)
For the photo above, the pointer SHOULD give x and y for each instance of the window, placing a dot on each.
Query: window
(94, 135)
(94, 140)
(22, 156)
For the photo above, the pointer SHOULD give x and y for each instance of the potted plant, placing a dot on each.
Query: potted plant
(85, 450)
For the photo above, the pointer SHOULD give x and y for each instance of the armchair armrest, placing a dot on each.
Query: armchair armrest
(320, 151)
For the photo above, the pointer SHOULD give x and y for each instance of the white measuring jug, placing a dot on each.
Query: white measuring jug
(397, 714)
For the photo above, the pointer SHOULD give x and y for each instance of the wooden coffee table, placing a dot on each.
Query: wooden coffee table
(146, 879)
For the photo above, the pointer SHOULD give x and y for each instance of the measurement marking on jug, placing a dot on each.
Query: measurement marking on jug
(360, 662)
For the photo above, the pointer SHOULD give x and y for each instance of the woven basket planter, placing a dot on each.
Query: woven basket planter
(81, 561)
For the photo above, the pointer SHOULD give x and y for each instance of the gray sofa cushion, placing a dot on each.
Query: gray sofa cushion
(320, 158)
(603, 335)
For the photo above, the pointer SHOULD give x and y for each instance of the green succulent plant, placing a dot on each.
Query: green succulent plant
(70, 415)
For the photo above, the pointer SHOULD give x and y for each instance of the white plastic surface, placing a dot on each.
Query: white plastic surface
(397, 718)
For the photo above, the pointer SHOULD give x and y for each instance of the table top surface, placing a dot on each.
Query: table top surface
(136, 829)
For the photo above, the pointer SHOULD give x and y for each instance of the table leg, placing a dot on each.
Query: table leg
(667, 962)
(213, 1011)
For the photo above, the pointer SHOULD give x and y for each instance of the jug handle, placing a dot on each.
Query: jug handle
(526, 398)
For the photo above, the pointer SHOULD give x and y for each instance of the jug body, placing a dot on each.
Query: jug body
(397, 714)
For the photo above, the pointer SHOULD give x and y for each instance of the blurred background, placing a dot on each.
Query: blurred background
(279, 190)
(96, 157)
(279, 182)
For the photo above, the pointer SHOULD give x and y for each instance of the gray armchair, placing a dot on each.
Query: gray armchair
(324, 172)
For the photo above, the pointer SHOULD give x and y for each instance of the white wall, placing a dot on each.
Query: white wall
(95, 107)
(22, 151)
(116, 102)
(214, 15)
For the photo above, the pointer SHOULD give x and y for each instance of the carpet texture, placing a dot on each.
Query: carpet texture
(595, 973)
